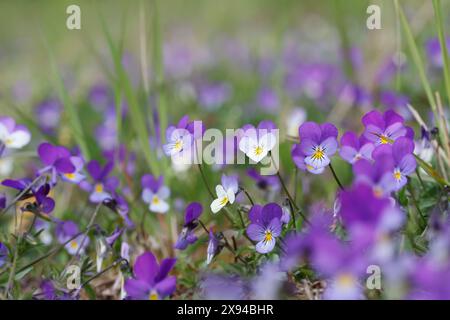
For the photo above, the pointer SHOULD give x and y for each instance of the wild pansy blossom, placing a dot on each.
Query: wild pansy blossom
(187, 236)
(270, 183)
(77, 175)
(214, 246)
(57, 160)
(265, 226)
(354, 148)
(179, 137)
(385, 128)
(155, 193)
(256, 143)
(226, 193)
(65, 230)
(3, 254)
(404, 162)
(317, 144)
(212, 96)
(12, 135)
(43, 203)
(151, 280)
(48, 115)
(102, 186)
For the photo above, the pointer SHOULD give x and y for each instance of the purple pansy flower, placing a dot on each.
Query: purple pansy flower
(187, 236)
(155, 193)
(48, 114)
(385, 128)
(434, 52)
(180, 137)
(56, 159)
(317, 144)
(3, 254)
(265, 226)
(212, 96)
(264, 182)
(214, 246)
(267, 99)
(44, 203)
(354, 148)
(103, 186)
(403, 161)
(66, 230)
(151, 280)
(12, 135)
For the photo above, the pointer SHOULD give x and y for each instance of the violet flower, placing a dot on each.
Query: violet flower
(187, 236)
(151, 280)
(213, 95)
(385, 128)
(214, 246)
(264, 182)
(256, 143)
(354, 148)
(12, 135)
(43, 203)
(4, 252)
(48, 114)
(403, 161)
(265, 226)
(155, 193)
(57, 160)
(102, 187)
(67, 229)
(179, 137)
(317, 144)
(226, 193)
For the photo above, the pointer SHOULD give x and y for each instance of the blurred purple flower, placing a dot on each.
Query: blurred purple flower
(57, 160)
(155, 193)
(354, 148)
(151, 280)
(102, 186)
(187, 236)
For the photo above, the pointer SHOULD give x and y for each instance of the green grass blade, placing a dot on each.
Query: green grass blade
(415, 53)
(136, 115)
(69, 108)
(441, 35)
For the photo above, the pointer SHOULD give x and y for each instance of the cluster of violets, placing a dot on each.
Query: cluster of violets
(363, 228)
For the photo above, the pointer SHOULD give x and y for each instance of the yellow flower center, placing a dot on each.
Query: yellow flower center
(258, 150)
(8, 141)
(153, 296)
(98, 188)
(70, 175)
(269, 236)
(345, 280)
(309, 167)
(178, 145)
(319, 153)
(73, 244)
(155, 200)
(397, 175)
(385, 139)
(224, 201)
(378, 192)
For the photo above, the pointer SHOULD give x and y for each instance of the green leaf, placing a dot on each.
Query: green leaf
(431, 171)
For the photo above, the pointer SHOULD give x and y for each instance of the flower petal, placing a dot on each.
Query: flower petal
(146, 267)
(265, 246)
(256, 232)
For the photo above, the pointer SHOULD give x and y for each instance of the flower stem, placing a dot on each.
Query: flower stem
(248, 196)
(205, 181)
(335, 177)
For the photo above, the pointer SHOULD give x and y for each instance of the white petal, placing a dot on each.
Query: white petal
(4, 133)
(163, 192)
(265, 246)
(18, 139)
(220, 191)
(160, 207)
(230, 195)
(247, 144)
(216, 205)
(147, 195)
(267, 141)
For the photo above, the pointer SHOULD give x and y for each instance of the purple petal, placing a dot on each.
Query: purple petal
(47, 205)
(165, 267)
(193, 211)
(330, 146)
(64, 165)
(137, 289)
(408, 164)
(373, 118)
(402, 146)
(48, 153)
(15, 184)
(256, 232)
(146, 267)
(275, 227)
(391, 117)
(310, 130)
(271, 211)
(328, 130)
(348, 153)
(254, 214)
(94, 169)
(307, 146)
(350, 139)
(166, 287)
